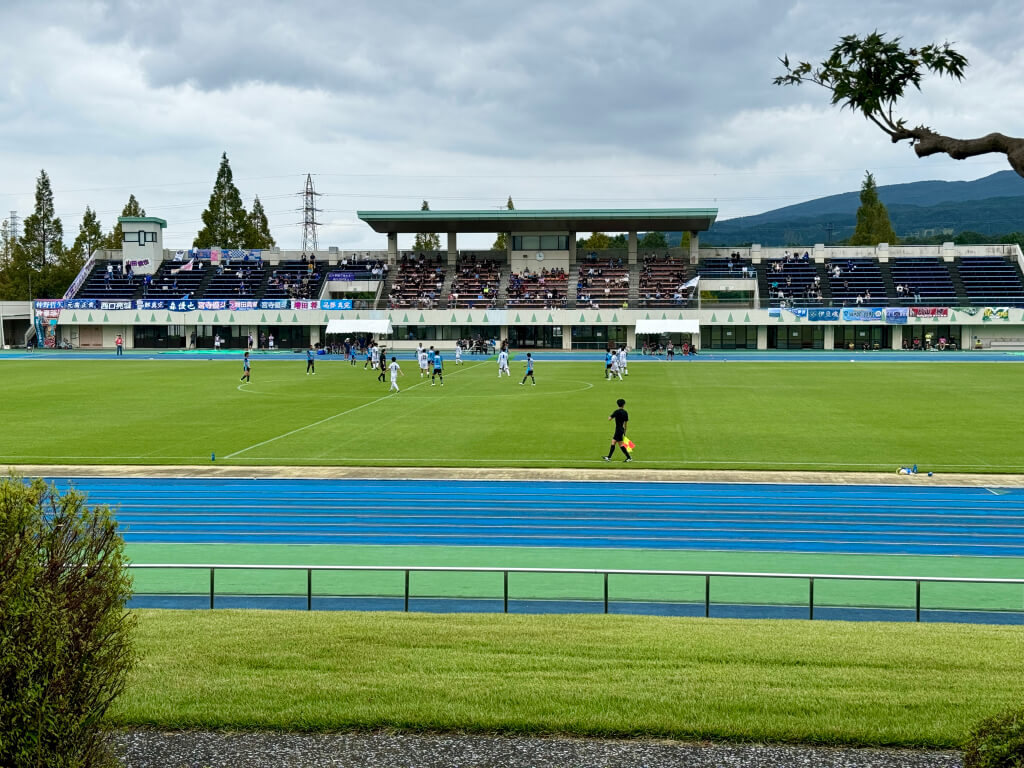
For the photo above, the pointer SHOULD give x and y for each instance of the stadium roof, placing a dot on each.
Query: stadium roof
(502, 220)
(142, 220)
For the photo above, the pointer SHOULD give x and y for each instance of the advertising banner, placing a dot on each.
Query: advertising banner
(81, 304)
(929, 311)
(213, 304)
(273, 303)
(862, 314)
(151, 304)
(336, 304)
(243, 304)
(49, 303)
(342, 276)
(896, 315)
(819, 315)
(183, 305)
(797, 311)
(996, 313)
(305, 304)
(116, 305)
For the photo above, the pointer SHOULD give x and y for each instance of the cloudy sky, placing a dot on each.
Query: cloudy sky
(601, 104)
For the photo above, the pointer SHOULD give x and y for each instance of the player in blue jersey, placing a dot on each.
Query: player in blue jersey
(608, 364)
(310, 362)
(246, 368)
(438, 368)
(529, 370)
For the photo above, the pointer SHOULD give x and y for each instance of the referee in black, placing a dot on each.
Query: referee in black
(621, 420)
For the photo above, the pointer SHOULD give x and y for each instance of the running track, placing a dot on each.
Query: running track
(772, 518)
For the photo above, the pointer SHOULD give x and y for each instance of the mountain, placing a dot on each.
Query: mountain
(990, 205)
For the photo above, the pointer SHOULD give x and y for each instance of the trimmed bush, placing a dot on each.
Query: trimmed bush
(65, 636)
(997, 742)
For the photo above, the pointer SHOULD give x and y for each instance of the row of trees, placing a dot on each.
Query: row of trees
(38, 263)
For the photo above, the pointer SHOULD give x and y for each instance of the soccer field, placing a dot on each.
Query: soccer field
(758, 415)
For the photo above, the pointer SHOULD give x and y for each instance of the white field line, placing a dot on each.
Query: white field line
(331, 418)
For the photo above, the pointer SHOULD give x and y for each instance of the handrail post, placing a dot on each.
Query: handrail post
(506, 591)
(606, 592)
(810, 599)
(211, 587)
(309, 589)
(917, 601)
(406, 590)
(707, 596)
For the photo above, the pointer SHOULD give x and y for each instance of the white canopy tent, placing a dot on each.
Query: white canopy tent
(668, 326)
(345, 325)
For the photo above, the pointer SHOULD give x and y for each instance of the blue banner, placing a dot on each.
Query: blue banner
(151, 304)
(797, 311)
(896, 315)
(183, 305)
(335, 303)
(117, 305)
(273, 303)
(342, 276)
(820, 315)
(243, 304)
(49, 303)
(81, 304)
(862, 314)
(213, 304)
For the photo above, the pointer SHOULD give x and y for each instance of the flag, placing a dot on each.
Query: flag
(691, 283)
(628, 444)
(236, 253)
(183, 268)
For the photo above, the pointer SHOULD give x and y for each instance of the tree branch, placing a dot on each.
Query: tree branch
(927, 142)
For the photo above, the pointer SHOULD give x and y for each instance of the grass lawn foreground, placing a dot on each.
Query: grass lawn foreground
(776, 681)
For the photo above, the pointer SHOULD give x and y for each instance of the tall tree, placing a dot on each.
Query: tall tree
(873, 226)
(115, 240)
(90, 235)
(501, 243)
(225, 219)
(653, 240)
(871, 74)
(43, 233)
(258, 228)
(598, 241)
(426, 241)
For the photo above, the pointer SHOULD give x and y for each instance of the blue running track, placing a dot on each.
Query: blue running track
(904, 520)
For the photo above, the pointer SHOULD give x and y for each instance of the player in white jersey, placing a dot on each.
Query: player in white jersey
(458, 354)
(614, 371)
(422, 356)
(622, 362)
(375, 361)
(503, 363)
(395, 370)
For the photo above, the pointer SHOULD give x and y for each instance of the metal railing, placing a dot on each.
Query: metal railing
(605, 573)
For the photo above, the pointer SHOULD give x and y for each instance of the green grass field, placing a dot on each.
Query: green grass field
(821, 682)
(816, 416)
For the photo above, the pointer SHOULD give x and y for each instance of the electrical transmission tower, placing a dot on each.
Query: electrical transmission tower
(13, 226)
(309, 212)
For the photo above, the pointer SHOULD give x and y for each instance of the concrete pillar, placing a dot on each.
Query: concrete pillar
(694, 249)
(631, 248)
(453, 249)
(314, 334)
(762, 337)
(572, 247)
(392, 248)
(829, 341)
(567, 337)
(896, 335)
(630, 337)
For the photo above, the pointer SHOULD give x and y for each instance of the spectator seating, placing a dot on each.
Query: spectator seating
(850, 278)
(794, 282)
(117, 287)
(545, 288)
(236, 280)
(297, 279)
(924, 280)
(731, 266)
(604, 284)
(991, 281)
(417, 283)
(476, 283)
(173, 282)
(660, 281)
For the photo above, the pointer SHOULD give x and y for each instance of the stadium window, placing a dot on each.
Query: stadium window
(530, 243)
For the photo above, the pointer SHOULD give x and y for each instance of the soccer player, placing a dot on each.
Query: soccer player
(430, 357)
(621, 420)
(383, 362)
(370, 347)
(245, 368)
(458, 354)
(438, 368)
(376, 361)
(623, 369)
(613, 370)
(395, 369)
(608, 364)
(422, 357)
(310, 361)
(529, 370)
(503, 363)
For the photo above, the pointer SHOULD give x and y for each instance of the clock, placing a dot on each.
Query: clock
(540, 257)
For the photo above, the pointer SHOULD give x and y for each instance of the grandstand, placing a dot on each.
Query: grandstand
(541, 292)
